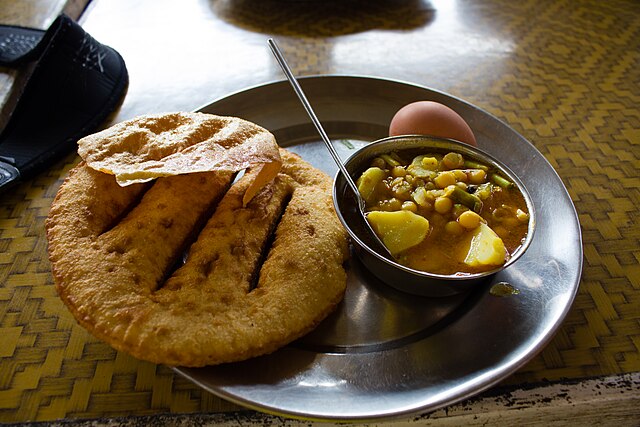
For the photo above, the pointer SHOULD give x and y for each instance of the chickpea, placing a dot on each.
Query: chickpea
(410, 179)
(452, 160)
(477, 176)
(390, 205)
(442, 205)
(469, 220)
(462, 185)
(398, 171)
(460, 175)
(452, 227)
(410, 206)
(444, 179)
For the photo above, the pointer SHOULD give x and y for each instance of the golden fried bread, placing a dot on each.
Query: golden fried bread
(116, 255)
(158, 145)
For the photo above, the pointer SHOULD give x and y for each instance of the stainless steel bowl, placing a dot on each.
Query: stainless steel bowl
(393, 274)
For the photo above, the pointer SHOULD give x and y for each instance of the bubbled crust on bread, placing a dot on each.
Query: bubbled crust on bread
(112, 257)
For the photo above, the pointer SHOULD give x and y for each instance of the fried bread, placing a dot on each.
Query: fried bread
(255, 278)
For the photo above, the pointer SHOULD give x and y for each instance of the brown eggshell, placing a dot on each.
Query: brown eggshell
(431, 118)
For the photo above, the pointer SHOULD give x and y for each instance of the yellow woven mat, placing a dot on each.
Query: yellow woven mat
(571, 87)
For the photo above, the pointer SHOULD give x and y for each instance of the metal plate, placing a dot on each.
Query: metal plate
(384, 353)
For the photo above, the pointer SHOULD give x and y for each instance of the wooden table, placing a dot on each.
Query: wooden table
(564, 74)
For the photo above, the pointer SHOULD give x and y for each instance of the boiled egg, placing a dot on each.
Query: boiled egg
(431, 118)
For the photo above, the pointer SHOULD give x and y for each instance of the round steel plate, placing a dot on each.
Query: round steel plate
(384, 353)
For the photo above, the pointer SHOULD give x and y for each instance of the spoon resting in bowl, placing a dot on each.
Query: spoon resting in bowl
(381, 248)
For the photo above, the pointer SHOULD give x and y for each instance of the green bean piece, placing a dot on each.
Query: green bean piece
(390, 160)
(397, 157)
(470, 164)
(500, 181)
(469, 200)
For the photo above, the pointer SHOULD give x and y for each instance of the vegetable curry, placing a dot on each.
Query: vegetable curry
(444, 213)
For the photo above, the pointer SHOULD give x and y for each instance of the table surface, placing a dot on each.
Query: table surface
(564, 74)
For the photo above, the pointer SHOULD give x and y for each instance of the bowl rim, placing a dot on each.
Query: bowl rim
(463, 147)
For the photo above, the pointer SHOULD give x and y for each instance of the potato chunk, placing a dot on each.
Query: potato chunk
(399, 230)
(485, 248)
(368, 183)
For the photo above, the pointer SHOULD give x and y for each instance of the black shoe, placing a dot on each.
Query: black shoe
(77, 82)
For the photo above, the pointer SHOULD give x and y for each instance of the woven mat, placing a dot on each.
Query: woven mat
(572, 87)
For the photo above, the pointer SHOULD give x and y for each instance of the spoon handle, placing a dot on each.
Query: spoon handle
(312, 115)
(381, 248)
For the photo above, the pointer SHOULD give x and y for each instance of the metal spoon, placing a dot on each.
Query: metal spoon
(381, 249)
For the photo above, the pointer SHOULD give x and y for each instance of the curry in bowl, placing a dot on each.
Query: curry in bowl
(443, 213)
